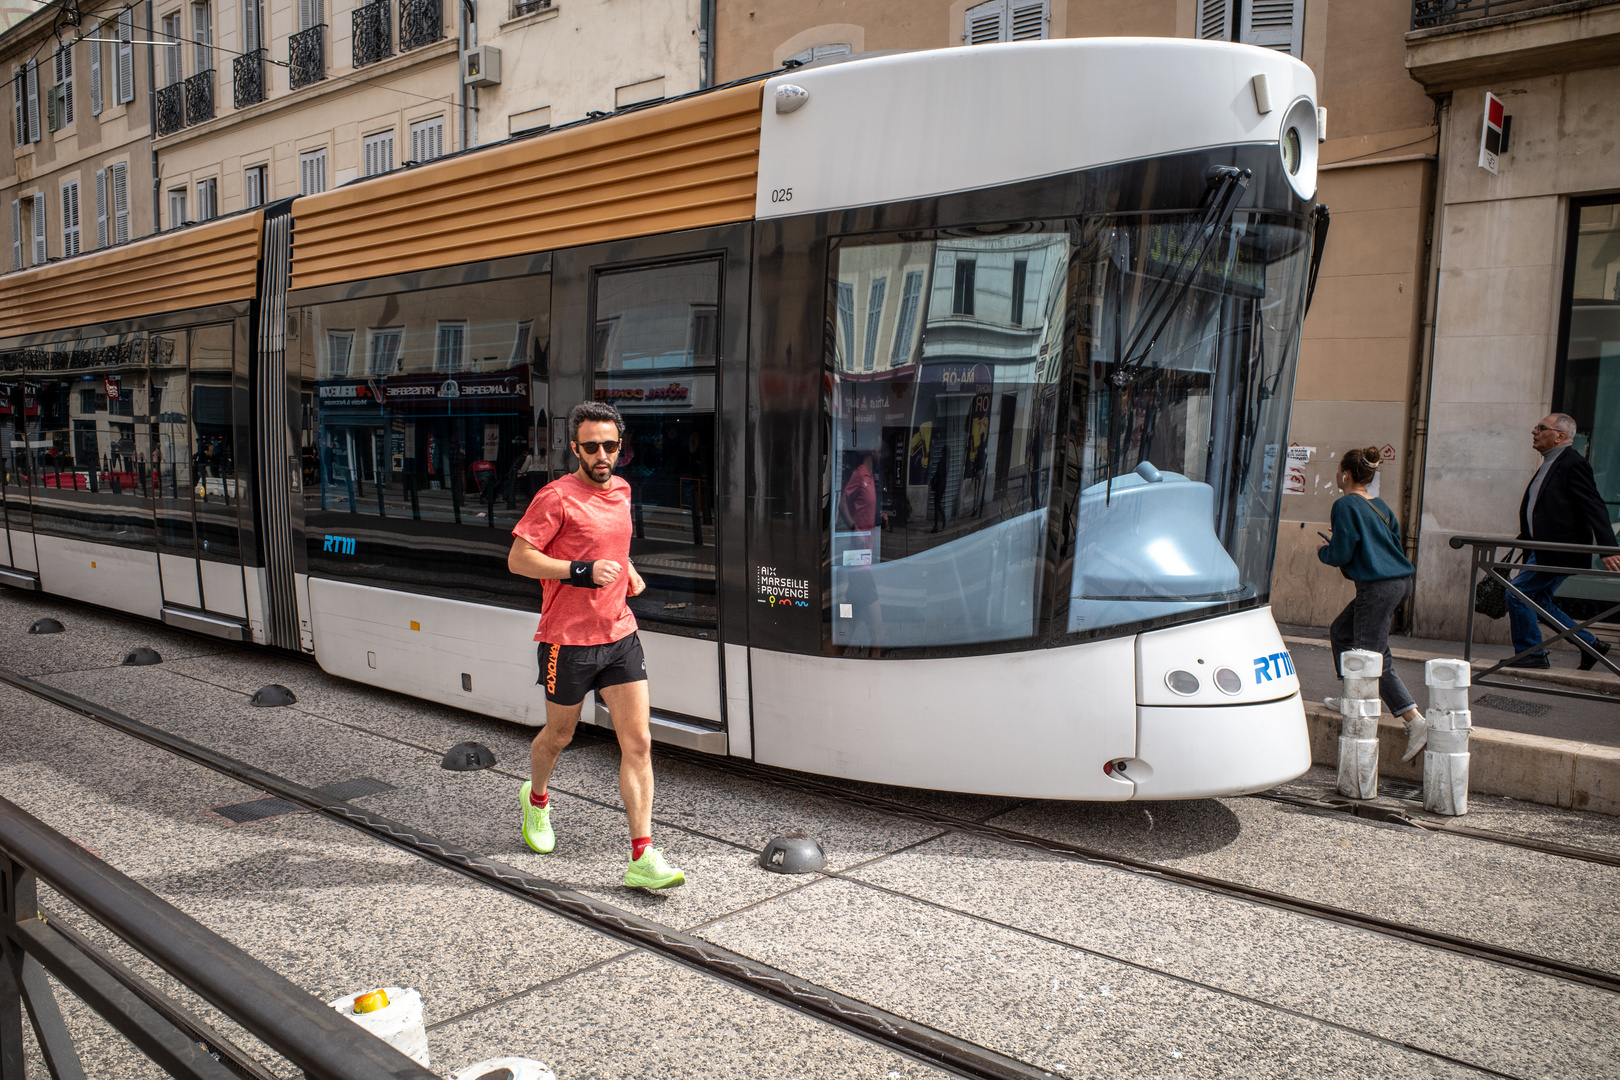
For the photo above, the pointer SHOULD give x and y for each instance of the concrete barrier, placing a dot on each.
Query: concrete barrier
(1530, 768)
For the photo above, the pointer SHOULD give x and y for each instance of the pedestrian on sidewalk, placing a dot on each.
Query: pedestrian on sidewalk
(575, 538)
(1561, 506)
(1366, 547)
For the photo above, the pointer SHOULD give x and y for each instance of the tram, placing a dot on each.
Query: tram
(956, 387)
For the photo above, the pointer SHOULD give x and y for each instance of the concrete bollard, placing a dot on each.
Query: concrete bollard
(1445, 757)
(1358, 732)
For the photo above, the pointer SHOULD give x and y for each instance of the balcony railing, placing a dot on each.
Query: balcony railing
(200, 97)
(171, 108)
(421, 22)
(306, 56)
(1430, 14)
(247, 77)
(373, 33)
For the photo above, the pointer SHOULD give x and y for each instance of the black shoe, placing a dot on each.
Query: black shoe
(1538, 661)
(1588, 661)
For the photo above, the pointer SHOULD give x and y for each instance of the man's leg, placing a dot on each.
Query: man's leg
(1539, 587)
(549, 744)
(629, 706)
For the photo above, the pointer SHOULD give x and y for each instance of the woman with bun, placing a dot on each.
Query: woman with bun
(1366, 546)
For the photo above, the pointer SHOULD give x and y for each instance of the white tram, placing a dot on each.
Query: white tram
(956, 386)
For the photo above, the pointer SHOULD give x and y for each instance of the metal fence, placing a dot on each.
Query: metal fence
(247, 79)
(421, 22)
(372, 33)
(306, 56)
(1429, 14)
(301, 1028)
(200, 97)
(1492, 561)
(171, 108)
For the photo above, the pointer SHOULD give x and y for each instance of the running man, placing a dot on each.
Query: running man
(575, 538)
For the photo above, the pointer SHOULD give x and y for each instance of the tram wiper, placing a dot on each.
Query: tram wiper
(1319, 231)
(1227, 183)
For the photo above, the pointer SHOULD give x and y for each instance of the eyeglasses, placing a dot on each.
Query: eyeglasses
(1539, 428)
(611, 446)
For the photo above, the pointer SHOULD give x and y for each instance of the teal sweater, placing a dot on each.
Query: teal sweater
(1367, 546)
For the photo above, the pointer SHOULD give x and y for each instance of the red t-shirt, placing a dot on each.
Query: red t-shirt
(576, 521)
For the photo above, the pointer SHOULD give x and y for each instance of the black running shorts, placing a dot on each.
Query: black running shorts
(569, 672)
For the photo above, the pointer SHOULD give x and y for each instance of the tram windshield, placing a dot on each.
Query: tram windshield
(951, 358)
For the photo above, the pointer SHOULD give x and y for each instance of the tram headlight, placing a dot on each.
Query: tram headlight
(1184, 683)
(1296, 146)
(1290, 151)
(1228, 681)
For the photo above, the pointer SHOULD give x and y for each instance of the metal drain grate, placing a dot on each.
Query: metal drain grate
(270, 806)
(1398, 789)
(1512, 705)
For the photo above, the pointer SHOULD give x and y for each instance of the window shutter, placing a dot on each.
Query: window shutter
(1274, 24)
(126, 57)
(984, 23)
(32, 75)
(16, 235)
(95, 71)
(70, 218)
(309, 13)
(312, 172)
(20, 97)
(120, 201)
(64, 76)
(1215, 20)
(1027, 22)
(250, 26)
(40, 254)
(202, 36)
(101, 208)
(427, 139)
(255, 186)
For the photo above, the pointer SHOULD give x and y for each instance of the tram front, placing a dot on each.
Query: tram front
(1055, 383)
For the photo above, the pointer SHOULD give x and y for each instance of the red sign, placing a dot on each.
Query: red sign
(1491, 136)
(112, 387)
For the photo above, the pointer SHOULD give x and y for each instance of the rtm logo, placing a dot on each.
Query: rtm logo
(339, 545)
(1274, 666)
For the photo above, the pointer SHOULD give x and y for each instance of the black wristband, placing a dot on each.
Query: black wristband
(579, 573)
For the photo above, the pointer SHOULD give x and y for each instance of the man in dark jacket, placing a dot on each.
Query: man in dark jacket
(1561, 506)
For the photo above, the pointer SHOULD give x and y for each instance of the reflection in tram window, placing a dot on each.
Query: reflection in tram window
(416, 449)
(656, 337)
(220, 489)
(1182, 393)
(942, 442)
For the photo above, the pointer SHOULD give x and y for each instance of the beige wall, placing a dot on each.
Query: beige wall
(1497, 321)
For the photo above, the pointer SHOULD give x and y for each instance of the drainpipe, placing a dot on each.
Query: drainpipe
(705, 44)
(1417, 432)
(151, 110)
(468, 109)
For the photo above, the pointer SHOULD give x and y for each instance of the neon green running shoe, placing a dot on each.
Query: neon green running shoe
(537, 832)
(652, 871)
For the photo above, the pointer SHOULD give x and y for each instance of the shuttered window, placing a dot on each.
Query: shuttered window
(208, 199)
(379, 153)
(177, 207)
(312, 172)
(427, 139)
(40, 254)
(1215, 20)
(16, 235)
(202, 37)
(253, 184)
(252, 26)
(874, 320)
(101, 208)
(172, 72)
(70, 219)
(31, 78)
(1274, 24)
(124, 57)
(816, 52)
(906, 319)
(95, 70)
(310, 13)
(19, 98)
(1006, 20)
(118, 176)
(61, 95)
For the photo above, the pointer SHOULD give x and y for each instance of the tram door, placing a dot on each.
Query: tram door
(648, 326)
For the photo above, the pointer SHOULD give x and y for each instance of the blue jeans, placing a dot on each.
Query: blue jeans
(1538, 585)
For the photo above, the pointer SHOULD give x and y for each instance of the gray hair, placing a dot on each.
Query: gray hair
(1563, 422)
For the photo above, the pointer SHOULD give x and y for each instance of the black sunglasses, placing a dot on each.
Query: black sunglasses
(611, 446)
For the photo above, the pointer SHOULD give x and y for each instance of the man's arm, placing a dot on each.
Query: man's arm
(528, 561)
(1583, 496)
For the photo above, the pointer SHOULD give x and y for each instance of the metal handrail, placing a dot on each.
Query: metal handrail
(1484, 560)
(288, 1019)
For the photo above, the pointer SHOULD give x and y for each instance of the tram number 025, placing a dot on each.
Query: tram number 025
(782, 194)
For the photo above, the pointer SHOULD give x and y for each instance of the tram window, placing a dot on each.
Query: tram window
(168, 449)
(219, 487)
(940, 464)
(1182, 424)
(415, 450)
(657, 331)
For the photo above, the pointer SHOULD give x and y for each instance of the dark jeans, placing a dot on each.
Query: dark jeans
(1364, 624)
(1539, 586)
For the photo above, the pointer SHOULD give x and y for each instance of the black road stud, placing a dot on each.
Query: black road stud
(273, 696)
(142, 657)
(794, 853)
(468, 757)
(46, 626)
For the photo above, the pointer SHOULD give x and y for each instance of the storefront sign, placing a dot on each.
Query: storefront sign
(958, 376)
(661, 394)
(505, 391)
(113, 387)
(347, 394)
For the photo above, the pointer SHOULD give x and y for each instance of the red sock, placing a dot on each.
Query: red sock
(542, 799)
(638, 844)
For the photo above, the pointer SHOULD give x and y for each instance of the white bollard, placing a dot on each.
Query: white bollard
(1358, 731)
(399, 1023)
(1445, 756)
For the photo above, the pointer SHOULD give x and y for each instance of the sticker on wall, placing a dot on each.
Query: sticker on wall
(1387, 452)
(777, 590)
(1294, 478)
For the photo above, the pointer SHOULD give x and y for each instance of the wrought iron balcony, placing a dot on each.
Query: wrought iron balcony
(200, 97)
(171, 108)
(1431, 14)
(247, 75)
(306, 56)
(373, 33)
(421, 22)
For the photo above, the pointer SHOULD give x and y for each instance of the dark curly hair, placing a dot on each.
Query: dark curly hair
(587, 412)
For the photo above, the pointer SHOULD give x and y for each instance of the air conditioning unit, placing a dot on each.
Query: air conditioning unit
(481, 66)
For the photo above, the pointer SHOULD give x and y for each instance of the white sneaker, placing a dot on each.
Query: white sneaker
(1334, 703)
(1417, 736)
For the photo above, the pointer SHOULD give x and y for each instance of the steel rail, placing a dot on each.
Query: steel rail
(933, 1047)
(1541, 965)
